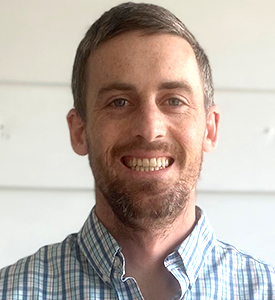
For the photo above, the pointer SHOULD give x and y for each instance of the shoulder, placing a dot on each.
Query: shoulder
(245, 269)
(244, 260)
(35, 269)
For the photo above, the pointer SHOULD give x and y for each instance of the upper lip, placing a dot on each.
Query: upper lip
(146, 154)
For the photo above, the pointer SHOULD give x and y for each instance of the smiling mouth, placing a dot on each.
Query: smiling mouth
(147, 164)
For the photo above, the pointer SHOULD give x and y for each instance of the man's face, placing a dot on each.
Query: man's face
(145, 126)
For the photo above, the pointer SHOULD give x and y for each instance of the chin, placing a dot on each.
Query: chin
(147, 204)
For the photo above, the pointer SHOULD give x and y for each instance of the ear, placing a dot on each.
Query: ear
(77, 132)
(211, 132)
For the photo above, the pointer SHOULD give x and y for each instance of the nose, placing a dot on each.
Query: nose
(149, 123)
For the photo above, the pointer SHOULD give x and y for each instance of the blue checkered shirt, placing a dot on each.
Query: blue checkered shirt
(90, 265)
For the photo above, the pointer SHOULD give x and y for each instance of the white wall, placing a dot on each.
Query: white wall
(46, 191)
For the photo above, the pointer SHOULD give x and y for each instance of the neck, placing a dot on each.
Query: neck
(153, 241)
(146, 249)
(151, 247)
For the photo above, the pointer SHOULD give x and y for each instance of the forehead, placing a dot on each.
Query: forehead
(143, 59)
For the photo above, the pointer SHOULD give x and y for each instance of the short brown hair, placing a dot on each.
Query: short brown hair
(129, 17)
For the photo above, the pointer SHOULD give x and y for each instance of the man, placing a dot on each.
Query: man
(144, 114)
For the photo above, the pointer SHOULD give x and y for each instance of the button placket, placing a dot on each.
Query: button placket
(116, 262)
(106, 279)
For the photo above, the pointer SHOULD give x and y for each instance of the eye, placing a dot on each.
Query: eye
(174, 102)
(120, 102)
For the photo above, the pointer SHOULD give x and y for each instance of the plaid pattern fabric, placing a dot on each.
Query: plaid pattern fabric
(90, 265)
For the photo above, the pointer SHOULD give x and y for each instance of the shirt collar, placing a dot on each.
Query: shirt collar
(101, 249)
(195, 249)
(98, 246)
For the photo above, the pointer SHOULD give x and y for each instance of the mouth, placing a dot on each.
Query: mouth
(147, 164)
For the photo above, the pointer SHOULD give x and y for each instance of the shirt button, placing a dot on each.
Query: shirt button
(116, 262)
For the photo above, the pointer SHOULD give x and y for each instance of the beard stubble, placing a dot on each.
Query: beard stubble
(146, 204)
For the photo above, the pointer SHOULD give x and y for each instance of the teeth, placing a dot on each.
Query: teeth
(146, 164)
(159, 162)
(153, 162)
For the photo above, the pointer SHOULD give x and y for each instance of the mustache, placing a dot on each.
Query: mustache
(142, 144)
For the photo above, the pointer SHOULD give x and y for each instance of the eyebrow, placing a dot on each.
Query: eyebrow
(119, 86)
(171, 85)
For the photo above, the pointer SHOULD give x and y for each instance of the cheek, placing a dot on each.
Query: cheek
(189, 135)
(103, 135)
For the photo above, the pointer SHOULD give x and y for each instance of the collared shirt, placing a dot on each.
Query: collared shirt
(90, 265)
